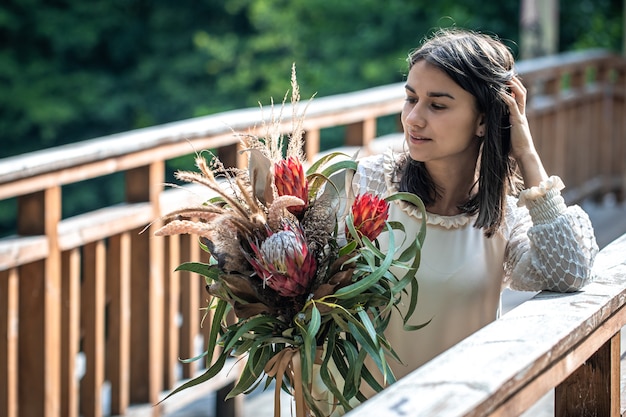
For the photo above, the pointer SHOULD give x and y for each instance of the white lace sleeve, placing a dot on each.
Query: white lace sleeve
(550, 246)
(370, 177)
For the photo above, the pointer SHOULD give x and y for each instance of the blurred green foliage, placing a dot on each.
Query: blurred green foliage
(72, 70)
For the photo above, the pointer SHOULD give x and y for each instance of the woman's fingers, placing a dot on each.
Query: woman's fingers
(517, 97)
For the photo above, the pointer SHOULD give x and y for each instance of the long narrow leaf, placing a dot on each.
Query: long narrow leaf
(210, 373)
(250, 325)
(310, 343)
(365, 283)
(197, 268)
(218, 316)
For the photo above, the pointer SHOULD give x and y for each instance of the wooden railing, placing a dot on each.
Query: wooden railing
(93, 286)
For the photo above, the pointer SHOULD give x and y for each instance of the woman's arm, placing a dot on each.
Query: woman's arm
(550, 246)
(522, 146)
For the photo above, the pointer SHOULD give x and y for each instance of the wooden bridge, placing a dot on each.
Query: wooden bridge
(92, 286)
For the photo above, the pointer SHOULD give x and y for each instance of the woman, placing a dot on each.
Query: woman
(466, 132)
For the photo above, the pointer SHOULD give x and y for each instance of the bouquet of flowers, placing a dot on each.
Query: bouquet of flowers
(297, 258)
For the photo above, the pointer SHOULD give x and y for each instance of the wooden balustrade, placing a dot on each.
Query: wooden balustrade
(100, 286)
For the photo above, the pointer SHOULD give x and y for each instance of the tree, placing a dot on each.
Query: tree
(72, 70)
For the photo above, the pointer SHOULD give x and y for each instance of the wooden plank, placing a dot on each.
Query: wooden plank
(89, 227)
(311, 144)
(47, 175)
(171, 311)
(102, 167)
(39, 309)
(100, 224)
(92, 323)
(81, 229)
(189, 305)
(593, 386)
(186, 132)
(16, 251)
(8, 346)
(140, 367)
(118, 287)
(70, 331)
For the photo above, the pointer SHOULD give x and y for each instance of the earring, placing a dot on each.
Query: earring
(481, 134)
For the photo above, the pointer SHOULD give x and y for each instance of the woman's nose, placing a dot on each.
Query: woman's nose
(416, 117)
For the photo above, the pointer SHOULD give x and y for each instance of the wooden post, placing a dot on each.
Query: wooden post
(119, 323)
(231, 156)
(594, 388)
(144, 184)
(70, 328)
(40, 309)
(189, 304)
(361, 133)
(92, 321)
(311, 144)
(228, 408)
(172, 308)
(8, 347)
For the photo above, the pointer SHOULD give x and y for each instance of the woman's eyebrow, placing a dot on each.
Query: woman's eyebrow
(430, 93)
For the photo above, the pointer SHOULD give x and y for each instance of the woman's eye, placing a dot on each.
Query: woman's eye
(411, 100)
(438, 106)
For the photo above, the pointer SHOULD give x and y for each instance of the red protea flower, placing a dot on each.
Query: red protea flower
(290, 180)
(284, 262)
(369, 214)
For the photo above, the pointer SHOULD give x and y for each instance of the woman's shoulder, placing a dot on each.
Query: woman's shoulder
(372, 163)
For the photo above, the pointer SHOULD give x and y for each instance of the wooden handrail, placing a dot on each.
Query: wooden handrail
(567, 341)
(95, 285)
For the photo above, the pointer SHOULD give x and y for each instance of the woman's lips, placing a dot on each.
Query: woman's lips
(417, 138)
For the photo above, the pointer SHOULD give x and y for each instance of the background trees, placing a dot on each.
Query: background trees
(72, 70)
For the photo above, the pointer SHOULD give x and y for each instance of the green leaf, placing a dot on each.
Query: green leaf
(219, 314)
(338, 166)
(253, 371)
(348, 248)
(365, 319)
(365, 283)
(327, 378)
(210, 373)
(362, 337)
(310, 342)
(248, 326)
(199, 268)
(315, 166)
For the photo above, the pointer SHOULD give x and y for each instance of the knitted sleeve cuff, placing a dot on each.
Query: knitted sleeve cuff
(544, 202)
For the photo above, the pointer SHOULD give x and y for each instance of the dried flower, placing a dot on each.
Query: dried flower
(369, 213)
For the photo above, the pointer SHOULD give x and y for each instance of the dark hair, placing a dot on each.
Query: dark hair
(482, 66)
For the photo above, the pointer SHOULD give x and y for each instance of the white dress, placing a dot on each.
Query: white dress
(541, 245)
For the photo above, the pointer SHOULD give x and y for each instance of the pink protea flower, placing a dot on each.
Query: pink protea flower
(289, 179)
(369, 214)
(284, 262)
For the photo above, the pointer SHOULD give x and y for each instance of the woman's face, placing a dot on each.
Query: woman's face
(440, 118)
